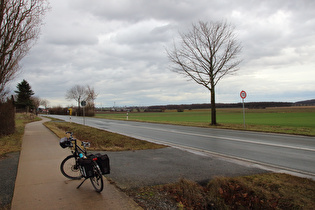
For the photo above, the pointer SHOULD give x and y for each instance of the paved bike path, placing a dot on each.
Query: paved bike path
(40, 184)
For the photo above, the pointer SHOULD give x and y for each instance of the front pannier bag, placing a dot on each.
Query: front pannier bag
(64, 142)
(103, 162)
(87, 167)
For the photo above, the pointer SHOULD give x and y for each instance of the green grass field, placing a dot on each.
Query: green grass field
(292, 120)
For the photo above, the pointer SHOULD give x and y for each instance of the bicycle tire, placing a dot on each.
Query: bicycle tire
(97, 179)
(70, 169)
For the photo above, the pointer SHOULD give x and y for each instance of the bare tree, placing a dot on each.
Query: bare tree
(205, 54)
(39, 102)
(36, 102)
(20, 22)
(91, 96)
(44, 102)
(78, 93)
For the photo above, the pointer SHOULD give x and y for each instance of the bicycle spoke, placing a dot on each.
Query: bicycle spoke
(70, 169)
(97, 179)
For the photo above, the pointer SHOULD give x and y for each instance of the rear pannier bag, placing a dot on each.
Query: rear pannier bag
(87, 167)
(103, 162)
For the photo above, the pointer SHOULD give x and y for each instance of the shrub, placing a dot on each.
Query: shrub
(7, 117)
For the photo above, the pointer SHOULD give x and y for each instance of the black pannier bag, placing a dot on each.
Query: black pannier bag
(103, 162)
(87, 167)
(64, 142)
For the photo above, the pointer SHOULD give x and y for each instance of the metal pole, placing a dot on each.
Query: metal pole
(244, 114)
(83, 116)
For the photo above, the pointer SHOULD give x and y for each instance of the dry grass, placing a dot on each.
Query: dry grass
(100, 139)
(12, 143)
(263, 191)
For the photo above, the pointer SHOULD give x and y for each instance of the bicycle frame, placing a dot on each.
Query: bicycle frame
(77, 150)
(95, 176)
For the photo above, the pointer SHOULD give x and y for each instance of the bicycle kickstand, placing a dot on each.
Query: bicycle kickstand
(82, 183)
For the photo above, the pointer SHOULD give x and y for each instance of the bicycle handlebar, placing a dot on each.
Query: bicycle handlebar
(83, 143)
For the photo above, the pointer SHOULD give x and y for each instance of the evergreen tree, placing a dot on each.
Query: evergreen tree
(24, 94)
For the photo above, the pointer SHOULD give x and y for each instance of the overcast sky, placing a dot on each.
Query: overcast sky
(118, 47)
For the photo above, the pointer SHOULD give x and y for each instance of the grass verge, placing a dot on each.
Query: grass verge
(13, 142)
(263, 191)
(100, 139)
(288, 120)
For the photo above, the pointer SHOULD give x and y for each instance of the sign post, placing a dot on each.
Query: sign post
(243, 96)
(83, 104)
(70, 113)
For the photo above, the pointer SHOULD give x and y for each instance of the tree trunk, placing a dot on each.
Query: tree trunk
(213, 109)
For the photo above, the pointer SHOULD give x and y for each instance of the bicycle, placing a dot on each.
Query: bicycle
(80, 165)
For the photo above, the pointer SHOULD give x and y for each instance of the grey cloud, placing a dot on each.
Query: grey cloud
(142, 35)
(119, 47)
(134, 11)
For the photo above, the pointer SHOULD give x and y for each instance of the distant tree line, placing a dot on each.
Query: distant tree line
(306, 103)
(249, 105)
(182, 107)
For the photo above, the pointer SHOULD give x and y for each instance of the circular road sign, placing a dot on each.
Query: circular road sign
(243, 94)
(83, 103)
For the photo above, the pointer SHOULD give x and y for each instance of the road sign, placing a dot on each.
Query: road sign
(243, 94)
(83, 103)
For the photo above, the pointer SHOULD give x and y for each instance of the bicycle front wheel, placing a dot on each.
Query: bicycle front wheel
(97, 179)
(70, 168)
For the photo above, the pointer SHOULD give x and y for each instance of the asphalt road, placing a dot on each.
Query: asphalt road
(285, 152)
(8, 170)
(133, 169)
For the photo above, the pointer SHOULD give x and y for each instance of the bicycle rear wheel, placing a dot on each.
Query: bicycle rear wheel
(97, 179)
(70, 168)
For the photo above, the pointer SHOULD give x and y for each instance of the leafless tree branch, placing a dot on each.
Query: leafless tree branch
(205, 54)
(20, 22)
(82, 93)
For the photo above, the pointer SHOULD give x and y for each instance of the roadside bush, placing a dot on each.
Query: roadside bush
(89, 111)
(7, 117)
(58, 110)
